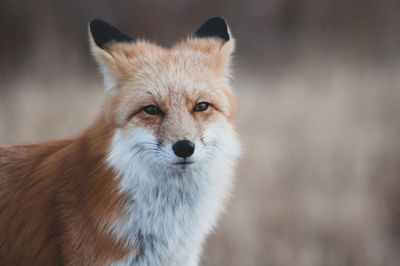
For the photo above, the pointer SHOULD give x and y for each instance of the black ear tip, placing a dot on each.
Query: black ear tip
(93, 23)
(96, 25)
(216, 19)
(214, 27)
(103, 33)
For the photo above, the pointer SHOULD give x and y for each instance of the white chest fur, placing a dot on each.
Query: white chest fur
(170, 220)
(171, 211)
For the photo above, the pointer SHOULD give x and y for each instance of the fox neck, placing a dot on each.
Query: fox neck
(168, 209)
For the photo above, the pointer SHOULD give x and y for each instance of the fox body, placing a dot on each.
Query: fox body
(144, 184)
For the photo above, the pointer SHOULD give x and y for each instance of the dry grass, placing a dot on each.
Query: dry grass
(317, 184)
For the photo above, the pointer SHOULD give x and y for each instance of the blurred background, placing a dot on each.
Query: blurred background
(318, 83)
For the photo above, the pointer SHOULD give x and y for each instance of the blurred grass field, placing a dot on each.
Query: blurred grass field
(318, 183)
(318, 85)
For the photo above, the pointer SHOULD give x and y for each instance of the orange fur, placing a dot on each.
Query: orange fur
(56, 199)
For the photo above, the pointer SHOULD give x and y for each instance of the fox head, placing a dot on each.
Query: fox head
(171, 109)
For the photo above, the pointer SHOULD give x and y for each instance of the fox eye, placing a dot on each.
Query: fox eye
(200, 107)
(152, 110)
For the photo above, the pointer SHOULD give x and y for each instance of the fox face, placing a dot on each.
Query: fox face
(172, 108)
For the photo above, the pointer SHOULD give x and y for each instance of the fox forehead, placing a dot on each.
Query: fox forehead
(170, 78)
(170, 73)
(153, 67)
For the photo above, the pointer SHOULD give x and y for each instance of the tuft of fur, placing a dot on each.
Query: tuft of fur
(117, 194)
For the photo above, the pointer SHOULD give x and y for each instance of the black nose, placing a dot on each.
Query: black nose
(183, 148)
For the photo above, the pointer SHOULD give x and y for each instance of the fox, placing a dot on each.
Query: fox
(145, 184)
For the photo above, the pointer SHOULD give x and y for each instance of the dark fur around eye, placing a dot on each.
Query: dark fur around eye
(200, 107)
(152, 110)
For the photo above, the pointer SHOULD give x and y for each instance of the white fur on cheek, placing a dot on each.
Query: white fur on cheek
(172, 209)
(221, 135)
(126, 156)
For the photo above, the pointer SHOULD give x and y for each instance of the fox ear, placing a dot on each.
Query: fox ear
(101, 36)
(104, 33)
(214, 27)
(217, 28)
